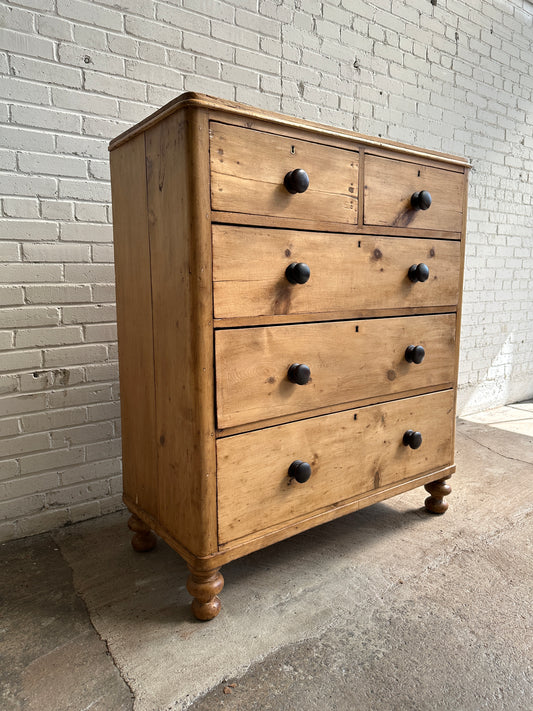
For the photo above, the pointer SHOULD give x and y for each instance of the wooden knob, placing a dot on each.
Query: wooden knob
(297, 273)
(415, 354)
(299, 373)
(418, 272)
(421, 200)
(300, 471)
(412, 439)
(296, 181)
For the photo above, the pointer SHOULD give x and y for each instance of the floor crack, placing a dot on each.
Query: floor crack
(494, 451)
(102, 639)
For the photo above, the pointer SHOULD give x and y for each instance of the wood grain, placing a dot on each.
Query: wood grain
(390, 183)
(134, 324)
(248, 168)
(349, 456)
(178, 170)
(347, 272)
(349, 360)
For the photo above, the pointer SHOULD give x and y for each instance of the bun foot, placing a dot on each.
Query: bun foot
(204, 587)
(144, 539)
(435, 502)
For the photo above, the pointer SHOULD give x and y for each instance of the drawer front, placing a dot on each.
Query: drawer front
(348, 361)
(347, 272)
(248, 168)
(389, 185)
(350, 453)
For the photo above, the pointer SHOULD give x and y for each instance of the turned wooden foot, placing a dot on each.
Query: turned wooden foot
(435, 502)
(204, 587)
(144, 539)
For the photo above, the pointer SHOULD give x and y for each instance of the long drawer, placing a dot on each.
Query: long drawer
(248, 168)
(350, 453)
(348, 361)
(390, 184)
(346, 272)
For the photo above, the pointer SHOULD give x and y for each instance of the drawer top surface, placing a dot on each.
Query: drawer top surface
(192, 99)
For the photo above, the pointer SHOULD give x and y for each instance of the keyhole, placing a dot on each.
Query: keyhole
(293, 151)
(418, 173)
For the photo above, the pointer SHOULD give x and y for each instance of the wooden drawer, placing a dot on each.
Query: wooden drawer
(349, 361)
(348, 272)
(389, 185)
(248, 168)
(350, 453)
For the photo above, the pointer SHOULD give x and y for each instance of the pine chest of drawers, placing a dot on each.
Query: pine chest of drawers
(288, 315)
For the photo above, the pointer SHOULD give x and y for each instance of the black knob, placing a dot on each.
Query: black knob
(415, 354)
(421, 200)
(412, 439)
(297, 273)
(296, 181)
(299, 373)
(418, 272)
(301, 471)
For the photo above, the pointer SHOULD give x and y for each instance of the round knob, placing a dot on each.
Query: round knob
(421, 200)
(415, 354)
(301, 471)
(296, 181)
(299, 373)
(297, 273)
(418, 272)
(412, 439)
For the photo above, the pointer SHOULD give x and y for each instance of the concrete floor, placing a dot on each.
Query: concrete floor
(387, 609)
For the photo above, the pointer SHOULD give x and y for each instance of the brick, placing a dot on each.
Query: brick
(22, 90)
(90, 471)
(54, 27)
(102, 253)
(82, 146)
(80, 395)
(25, 44)
(54, 459)
(115, 86)
(21, 207)
(87, 273)
(100, 333)
(102, 373)
(84, 190)
(59, 336)
(11, 295)
(20, 360)
(13, 273)
(27, 185)
(28, 230)
(94, 313)
(81, 232)
(9, 384)
(24, 316)
(46, 164)
(47, 72)
(20, 445)
(9, 252)
(6, 340)
(85, 58)
(155, 31)
(82, 12)
(208, 46)
(74, 355)
(90, 37)
(84, 102)
(82, 434)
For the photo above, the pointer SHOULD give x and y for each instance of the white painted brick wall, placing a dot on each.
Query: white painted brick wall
(455, 76)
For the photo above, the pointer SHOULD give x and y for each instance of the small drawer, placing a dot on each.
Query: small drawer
(390, 185)
(248, 170)
(348, 361)
(346, 272)
(350, 453)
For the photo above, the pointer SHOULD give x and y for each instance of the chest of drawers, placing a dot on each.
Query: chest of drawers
(288, 301)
